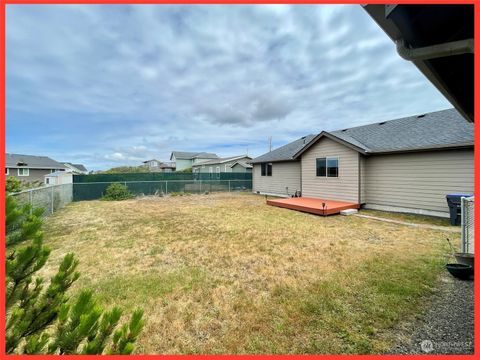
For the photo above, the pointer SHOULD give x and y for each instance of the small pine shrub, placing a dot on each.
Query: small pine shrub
(117, 191)
(12, 185)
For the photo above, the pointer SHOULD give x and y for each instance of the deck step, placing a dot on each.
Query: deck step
(348, 212)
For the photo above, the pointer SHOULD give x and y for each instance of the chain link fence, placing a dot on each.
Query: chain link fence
(468, 228)
(54, 197)
(49, 198)
(95, 190)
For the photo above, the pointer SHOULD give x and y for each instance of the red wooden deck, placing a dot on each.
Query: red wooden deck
(313, 206)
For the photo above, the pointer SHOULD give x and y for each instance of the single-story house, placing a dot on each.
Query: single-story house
(77, 169)
(155, 165)
(30, 168)
(237, 163)
(185, 160)
(59, 178)
(405, 165)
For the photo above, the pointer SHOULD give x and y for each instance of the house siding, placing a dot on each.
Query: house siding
(284, 174)
(362, 177)
(34, 174)
(418, 180)
(240, 168)
(181, 164)
(345, 186)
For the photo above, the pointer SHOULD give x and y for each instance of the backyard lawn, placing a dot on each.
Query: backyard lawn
(225, 273)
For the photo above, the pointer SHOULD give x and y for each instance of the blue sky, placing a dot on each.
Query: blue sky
(110, 85)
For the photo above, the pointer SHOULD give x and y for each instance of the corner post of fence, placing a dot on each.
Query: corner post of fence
(166, 187)
(200, 186)
(228, 185)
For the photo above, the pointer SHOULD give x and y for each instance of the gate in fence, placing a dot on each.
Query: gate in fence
(468, 228)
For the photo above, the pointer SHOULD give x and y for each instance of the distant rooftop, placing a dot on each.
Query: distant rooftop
(31, 161)
(185, 155)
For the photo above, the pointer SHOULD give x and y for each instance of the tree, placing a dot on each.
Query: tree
(186, 170)
(125, 170)
(12, 184)
(78, 326)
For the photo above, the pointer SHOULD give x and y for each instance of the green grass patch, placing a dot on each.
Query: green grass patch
(349, 313)
(129, 291)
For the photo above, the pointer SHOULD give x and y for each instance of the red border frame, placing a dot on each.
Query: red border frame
(4, 3)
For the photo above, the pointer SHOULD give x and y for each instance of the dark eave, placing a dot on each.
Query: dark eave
(422, 26)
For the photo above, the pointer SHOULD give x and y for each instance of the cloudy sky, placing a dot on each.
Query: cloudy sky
(110, 85)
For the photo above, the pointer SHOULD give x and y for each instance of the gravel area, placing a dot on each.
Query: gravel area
(446, 325)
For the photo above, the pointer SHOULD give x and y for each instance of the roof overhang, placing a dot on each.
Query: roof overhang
(440, 30)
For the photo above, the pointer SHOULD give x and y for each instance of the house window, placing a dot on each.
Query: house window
(332, 167)
(47, 181)
(23, 172)
(7, 171)
(327, 167)
(267, 169)
(218, 172)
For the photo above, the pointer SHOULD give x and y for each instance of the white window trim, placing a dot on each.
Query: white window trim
(23, 172)
(7, 172)
(211, 170)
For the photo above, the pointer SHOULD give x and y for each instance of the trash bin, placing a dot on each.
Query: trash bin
(454, 204)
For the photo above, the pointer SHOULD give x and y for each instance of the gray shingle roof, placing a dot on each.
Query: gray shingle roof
(221, 160)
(285, 152)
(186, 155)
(242, 163)
(78, 166)
(31, 161)
(439, 129)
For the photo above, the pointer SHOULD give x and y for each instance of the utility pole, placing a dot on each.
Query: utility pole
(270, 143)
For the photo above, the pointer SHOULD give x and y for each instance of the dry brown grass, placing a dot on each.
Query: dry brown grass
(225, 273)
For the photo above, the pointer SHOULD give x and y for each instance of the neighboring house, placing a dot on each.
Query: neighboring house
(185, 160)
(229, 164)
(406, 165)
(77, 169)
(30, 167)
(155, 165)
(59, 178)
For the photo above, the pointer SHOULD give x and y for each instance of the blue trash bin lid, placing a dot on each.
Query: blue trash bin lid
(460, 195)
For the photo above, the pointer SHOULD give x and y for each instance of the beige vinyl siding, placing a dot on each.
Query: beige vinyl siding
(418, 180)
(284, 174)
(343, 188)
(362, 160)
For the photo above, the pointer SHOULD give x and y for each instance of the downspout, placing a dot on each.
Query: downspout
(434, 51)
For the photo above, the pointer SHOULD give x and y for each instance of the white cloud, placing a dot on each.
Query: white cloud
(133, 82)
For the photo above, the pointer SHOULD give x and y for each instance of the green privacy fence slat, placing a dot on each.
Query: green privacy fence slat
(161, 176)
(95, 190)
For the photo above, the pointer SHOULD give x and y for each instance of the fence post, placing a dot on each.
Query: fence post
(228, 185)
(166, 187)
(200, 186)
(30, 201)
(52, 199)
